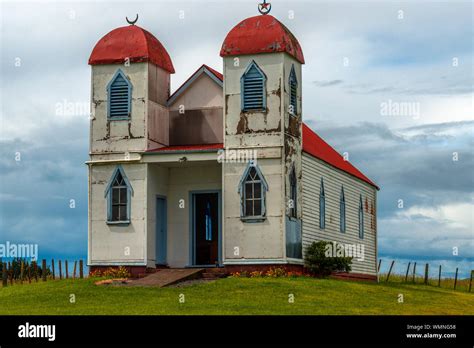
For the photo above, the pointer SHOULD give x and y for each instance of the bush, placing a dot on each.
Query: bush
(319, 264)
(111, 272)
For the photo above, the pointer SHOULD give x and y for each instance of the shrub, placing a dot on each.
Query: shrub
(276, 272)
(111, 272)
(256, 274)
(319, 264)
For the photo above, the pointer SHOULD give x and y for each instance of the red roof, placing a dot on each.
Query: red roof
(261, 34)
(134, 43)
(215, 72)
(317, 147)
(184, 148)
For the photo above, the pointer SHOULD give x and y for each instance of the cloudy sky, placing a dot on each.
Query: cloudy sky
(390, 83)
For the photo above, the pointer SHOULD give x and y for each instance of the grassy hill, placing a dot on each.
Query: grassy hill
(235, 296)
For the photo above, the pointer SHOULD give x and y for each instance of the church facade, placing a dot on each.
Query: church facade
(222, 172)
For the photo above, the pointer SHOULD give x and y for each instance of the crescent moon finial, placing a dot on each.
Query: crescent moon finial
(132, 22)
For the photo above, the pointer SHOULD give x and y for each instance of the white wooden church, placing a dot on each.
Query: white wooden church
(221, 172)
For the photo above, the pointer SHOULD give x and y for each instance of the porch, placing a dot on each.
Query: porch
(184, 210)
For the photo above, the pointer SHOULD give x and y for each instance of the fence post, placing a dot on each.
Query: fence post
(28, 267)
(378, 268)
(414, 270)
(22, 269)
(52, 266)
(81, 269)
(5, 275)
(43, 272)
(456, 278)
(60, 270)
(426, 274)
(408, 269)
(74, 273)
(470, 281)
(36, 271)
(439, 276)
(67, 273)
(390, 271)
(10, 273)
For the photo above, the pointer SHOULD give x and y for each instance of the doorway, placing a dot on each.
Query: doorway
(206, 228)
(161, 231)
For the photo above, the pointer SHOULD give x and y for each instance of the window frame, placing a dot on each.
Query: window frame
(293, 180)
(120, 73)
(361, 218)
(293, 80)
(342, 211)
(242, 192)
(109, 191)
(322, 207)
(242, 89)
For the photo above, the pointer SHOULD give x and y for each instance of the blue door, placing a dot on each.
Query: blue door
(160, 231)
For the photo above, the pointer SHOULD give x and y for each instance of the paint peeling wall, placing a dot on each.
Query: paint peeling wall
(148, 125)
(292, 156)
(109, 244)
(121, 135)
(269, 133)
(253, 128)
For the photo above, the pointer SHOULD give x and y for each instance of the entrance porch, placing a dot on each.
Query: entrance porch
(184, 213)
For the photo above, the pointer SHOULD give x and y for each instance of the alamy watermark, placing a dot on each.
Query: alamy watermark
(237, 156)
(335, 249)
(8, 250)
(394, 108)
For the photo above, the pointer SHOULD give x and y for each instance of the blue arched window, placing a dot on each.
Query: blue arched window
(322, 206)
(293, 192)
(252, 189)
(119, 91)
(252, 85)
(361, 219)
(293, 83)
(342, 211)
(118, 194)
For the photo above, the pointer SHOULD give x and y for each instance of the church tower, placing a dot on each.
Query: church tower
(130, 87)
(262, 63)
(129, 116)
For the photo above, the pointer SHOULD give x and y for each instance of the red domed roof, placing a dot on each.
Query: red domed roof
(261, 34)
(131, 42)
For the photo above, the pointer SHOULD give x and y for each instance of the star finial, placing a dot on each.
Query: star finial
(264, 7)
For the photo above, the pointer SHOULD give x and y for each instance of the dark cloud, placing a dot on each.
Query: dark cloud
(327, 83)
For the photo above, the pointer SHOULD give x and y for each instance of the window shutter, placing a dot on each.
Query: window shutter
(119, 98)
(253, 90)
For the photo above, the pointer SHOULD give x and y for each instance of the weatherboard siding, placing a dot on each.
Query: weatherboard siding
(315, 169)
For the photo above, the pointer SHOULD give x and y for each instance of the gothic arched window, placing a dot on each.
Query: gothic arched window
(118, 194)
(293, 193)
(361, 218)
(252, 189)
(322, 206)
(342, 211)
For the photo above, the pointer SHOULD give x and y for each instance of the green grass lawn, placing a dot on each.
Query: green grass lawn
(234, 296)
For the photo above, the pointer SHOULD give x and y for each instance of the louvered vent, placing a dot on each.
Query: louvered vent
(253, 90)
(293, 91)
(119, 98)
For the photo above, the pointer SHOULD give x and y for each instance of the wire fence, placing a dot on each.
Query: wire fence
(432, 274)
